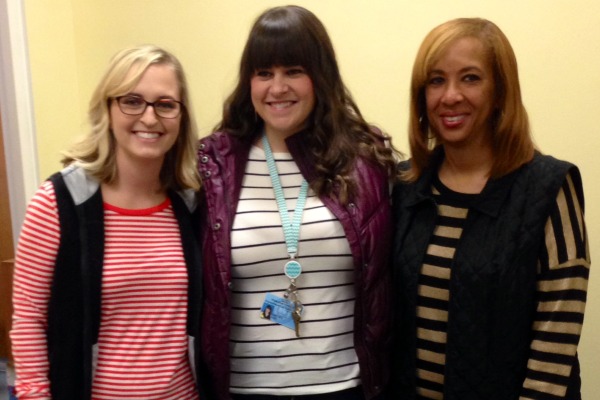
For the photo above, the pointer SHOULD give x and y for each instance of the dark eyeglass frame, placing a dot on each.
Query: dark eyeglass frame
(148, 103)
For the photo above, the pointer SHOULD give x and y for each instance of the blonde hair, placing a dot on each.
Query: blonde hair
(512, 144)
(95, 151)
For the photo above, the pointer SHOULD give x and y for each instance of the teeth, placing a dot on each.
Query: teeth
(147, 135)
(453, 120)
(281, 106)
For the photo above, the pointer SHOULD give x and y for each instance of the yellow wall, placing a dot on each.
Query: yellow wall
(556, 44)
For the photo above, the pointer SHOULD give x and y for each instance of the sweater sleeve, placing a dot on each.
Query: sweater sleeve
(563, 272)
(34, 266)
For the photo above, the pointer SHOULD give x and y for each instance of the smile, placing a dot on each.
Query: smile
(147, 135)
(453, 120)
(281, 105)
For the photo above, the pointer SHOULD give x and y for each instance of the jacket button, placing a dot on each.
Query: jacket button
(217, 226)
(204, 159)
(230, 285)
(207, 174)
(202, 146)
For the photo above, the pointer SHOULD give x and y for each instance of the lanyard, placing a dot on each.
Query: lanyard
(291, 229)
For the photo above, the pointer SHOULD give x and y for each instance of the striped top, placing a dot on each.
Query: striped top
(561, 285)
(142, 344)
(268, 358)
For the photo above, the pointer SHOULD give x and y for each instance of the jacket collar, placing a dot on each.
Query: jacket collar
(226, 144)
(489, 201)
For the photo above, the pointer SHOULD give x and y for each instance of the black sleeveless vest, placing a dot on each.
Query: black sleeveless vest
(75, 295)
(493, 281)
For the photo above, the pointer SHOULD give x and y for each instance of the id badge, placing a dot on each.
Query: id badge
(278, 310)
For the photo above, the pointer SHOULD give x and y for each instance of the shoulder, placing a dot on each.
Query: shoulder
(547, 164)
(381, 138)
(189, 198)
(42, 211)
(549, 171)
(402, 183)
(404, 166)
(367, 171)
(216, 137)
(223, 143)
(44, 197)
(536, 184)
(563, 173)
(372, 184)
(76, 182)
(403, 186)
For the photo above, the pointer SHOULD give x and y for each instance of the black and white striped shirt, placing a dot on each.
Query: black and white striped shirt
(268, 358)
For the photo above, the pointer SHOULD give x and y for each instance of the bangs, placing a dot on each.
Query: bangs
(280, 46)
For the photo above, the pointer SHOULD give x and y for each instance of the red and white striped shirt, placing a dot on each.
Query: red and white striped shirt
(142, 350)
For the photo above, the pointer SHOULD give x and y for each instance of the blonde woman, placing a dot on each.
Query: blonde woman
(107, 279)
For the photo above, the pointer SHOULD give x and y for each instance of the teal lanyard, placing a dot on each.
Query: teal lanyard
(291, 229)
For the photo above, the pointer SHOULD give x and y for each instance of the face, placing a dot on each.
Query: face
(283, 97)
(460, 95)
(146, 138)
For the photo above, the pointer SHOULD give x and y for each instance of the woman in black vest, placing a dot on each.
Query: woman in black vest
(490, 257)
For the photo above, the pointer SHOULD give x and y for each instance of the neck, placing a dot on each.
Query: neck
(466, 171)
(136, 187)
(276, 141)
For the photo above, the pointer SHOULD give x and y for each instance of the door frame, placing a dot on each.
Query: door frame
(17, 111)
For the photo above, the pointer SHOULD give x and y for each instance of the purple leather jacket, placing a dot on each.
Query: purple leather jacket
(366, 221)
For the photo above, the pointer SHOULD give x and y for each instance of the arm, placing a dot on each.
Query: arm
(563, 272)
(34, 267)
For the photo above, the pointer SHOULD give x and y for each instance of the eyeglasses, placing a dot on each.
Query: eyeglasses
(135, 105)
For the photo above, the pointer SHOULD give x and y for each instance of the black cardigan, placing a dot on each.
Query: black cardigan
(75, 295)
(492, 287)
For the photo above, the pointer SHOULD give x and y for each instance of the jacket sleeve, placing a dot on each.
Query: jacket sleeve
(34, 267)
(563, 272)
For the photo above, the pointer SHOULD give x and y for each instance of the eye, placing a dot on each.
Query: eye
(166, 104)
(435, 81)
(294, 71)
(263, 73)
(471, 78)
(131, 101)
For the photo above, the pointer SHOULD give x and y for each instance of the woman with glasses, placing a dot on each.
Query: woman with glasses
(296, 226)
(107, 277)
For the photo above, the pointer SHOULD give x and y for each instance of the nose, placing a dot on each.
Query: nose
(452, 93)
(149, 117)
(280, 84)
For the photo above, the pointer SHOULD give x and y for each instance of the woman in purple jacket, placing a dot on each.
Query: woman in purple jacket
(297, 222)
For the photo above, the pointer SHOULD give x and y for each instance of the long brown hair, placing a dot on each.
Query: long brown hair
(336, 131)
(512, 144)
